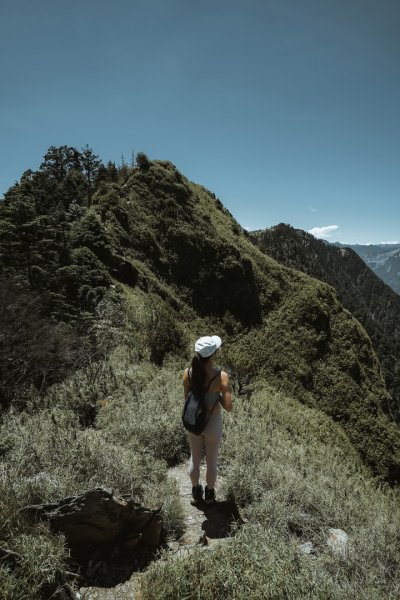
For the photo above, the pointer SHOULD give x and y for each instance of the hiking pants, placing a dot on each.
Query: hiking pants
(211, 439)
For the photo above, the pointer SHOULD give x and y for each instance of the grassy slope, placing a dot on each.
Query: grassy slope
(45, 455)
(293, 471)
(294, 474)
(291, 329)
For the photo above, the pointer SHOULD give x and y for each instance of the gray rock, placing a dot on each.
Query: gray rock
(338, 541)
(307, 548)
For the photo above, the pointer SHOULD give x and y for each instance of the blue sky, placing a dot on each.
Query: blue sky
(289, 110)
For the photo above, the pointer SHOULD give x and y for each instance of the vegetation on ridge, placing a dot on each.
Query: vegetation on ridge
(122, 268)
(46, 454)
(294, 474)
(71, 233)
(373, 303)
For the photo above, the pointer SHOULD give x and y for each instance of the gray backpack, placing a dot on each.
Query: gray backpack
(195, 415)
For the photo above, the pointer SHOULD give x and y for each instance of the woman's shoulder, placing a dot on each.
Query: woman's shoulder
(221, 372)
(225, 383)
(220, 376)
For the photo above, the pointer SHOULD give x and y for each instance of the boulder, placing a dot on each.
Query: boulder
(99, 516)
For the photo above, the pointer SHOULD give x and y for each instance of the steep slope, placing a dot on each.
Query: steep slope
(372, 302)
(384, 260)
(153, 230)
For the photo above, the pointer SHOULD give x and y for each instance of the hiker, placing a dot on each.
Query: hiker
(203, 375)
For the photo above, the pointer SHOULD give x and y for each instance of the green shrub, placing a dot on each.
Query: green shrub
(143, 161)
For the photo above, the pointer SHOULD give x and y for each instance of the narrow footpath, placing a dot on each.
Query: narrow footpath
(204, 526)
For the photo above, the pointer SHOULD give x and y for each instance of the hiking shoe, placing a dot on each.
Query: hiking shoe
(209, 497)
(197, 494)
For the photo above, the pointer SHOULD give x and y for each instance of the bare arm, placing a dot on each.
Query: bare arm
(186, 383)
(226, 399)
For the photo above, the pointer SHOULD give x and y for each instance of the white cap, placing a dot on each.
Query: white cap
(207, 345)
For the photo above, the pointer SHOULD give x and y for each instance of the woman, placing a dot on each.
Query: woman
(203, 375)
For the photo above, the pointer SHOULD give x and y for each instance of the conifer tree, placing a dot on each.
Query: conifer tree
(59, 161)
(142, 161)
(90, 165)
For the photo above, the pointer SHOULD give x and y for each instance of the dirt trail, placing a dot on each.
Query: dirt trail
(205, 527)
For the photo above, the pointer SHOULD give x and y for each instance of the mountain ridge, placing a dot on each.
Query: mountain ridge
(374, 303)
(74, 239)
(383, 259)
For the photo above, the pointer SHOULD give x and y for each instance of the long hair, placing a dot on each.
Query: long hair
(198, 374)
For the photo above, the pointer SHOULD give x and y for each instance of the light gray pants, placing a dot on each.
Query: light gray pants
(211, 439)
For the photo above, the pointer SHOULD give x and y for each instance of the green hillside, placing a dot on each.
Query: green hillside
(373, 303)
(293, 473)
(68, 238)
(108, 275)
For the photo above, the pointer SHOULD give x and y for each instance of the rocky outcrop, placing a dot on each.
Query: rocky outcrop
(97, 517)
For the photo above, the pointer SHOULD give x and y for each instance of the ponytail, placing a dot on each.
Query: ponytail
(198, 374)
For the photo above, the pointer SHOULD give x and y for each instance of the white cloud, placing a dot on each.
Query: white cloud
(312, 209)
(395, 242)
(323, 232)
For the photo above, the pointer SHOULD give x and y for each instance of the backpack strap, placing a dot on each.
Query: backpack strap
(217, 400)
(211, 380)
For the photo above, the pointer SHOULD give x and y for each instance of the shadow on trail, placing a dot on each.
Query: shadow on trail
(108, 565)
(222, 519)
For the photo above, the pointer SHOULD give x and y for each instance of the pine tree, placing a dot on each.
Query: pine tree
(90, 165)
(142, 161)
(59, 161)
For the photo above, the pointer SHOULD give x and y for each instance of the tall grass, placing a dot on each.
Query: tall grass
(37, 556)
(292, 470)
(47, 454)
(294, 475)
(145, 411)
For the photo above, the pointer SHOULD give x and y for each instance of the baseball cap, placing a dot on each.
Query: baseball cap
(207, 345)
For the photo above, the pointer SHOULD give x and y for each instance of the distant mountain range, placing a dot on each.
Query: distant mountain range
(383, 259)
(361, 291)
